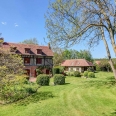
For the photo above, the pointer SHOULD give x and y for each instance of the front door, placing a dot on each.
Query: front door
(47, 71)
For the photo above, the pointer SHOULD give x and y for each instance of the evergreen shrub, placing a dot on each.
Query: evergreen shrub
(85, 74)
(91, 75)
(43, 79)
(77, 74)
(56, 70)
(59, 79)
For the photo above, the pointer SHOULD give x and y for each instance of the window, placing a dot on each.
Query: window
(39, 51)
(38, 60)
(27, 50)
(27, 60)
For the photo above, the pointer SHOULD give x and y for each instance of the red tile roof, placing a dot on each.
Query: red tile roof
(77, 62)
(98, 62)
(33, 48)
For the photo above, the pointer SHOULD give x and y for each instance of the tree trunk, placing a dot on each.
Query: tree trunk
(108, 53)
(112, 66)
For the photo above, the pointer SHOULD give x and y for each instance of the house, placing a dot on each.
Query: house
(80, 65)
(97, 62)
(34, 56)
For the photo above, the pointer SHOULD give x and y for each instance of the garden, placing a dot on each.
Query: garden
(78, 96)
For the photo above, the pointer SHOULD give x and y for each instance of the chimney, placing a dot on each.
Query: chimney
(1, 41)
(49, 46)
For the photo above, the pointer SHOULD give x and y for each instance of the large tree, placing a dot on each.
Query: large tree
(86, 55)
(69, 22)
(30, 41)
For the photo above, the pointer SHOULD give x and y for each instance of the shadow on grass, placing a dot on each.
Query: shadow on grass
(108, 82)
(67, 83)
(111, 114)
(34, 98)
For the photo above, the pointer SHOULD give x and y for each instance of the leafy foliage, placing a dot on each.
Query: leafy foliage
(59, 57)
(59, 79)
(104, 65)
(77, 74)
(30, 41)
(11, 75)
(69, 22)
(91, 75)
(90, 69)
(56, 70)
(43, 79)
(85, 74)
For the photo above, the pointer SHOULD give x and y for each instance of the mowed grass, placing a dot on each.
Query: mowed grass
(78, 97)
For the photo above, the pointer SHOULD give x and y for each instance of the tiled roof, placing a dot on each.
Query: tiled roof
(77, 62)
(33, 48)
(98, 62)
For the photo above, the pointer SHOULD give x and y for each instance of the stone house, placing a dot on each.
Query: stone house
(80, 65)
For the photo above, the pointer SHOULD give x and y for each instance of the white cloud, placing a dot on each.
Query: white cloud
(16, 25)
(3, 23)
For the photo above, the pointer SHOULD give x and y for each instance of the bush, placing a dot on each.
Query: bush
(59, 79)
(71, 73)
(98, 68)
(77, 74)
(61, 69)
(43, 79)
(56, 71)
(90, 69)
(91, 75)
(68, 73)
(85, 74)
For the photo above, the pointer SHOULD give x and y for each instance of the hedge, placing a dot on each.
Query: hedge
(43, 79)
(59, 79)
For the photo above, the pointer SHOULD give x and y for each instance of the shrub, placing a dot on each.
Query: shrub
(91, 75)
(98, 68)
(68, 73)
(90, 69)
(43, 79)
(77, 74)
(85, 74)
(56, 71)
(61, 69)
(71, 73)
(59, 79)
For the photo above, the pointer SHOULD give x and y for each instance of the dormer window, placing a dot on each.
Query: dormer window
(39, 51)
(27, 50)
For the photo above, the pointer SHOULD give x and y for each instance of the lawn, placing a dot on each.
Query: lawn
(78, 97)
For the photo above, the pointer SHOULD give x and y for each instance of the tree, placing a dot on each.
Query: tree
(86, 55)
(69, 22)
(11, 70)
(61, 55)
(58, 57)
(103, 65)
(30, 41)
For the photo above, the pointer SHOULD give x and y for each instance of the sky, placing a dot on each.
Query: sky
(24, 19)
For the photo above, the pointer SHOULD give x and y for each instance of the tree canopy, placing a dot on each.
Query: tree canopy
(69, 22)
(30, 41)
(66, 54)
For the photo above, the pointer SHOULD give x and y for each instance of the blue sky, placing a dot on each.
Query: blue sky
(24, 19)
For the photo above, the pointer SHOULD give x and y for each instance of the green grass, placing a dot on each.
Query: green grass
(78, 97)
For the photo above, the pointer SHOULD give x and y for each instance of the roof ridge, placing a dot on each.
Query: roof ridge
(27, 44)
